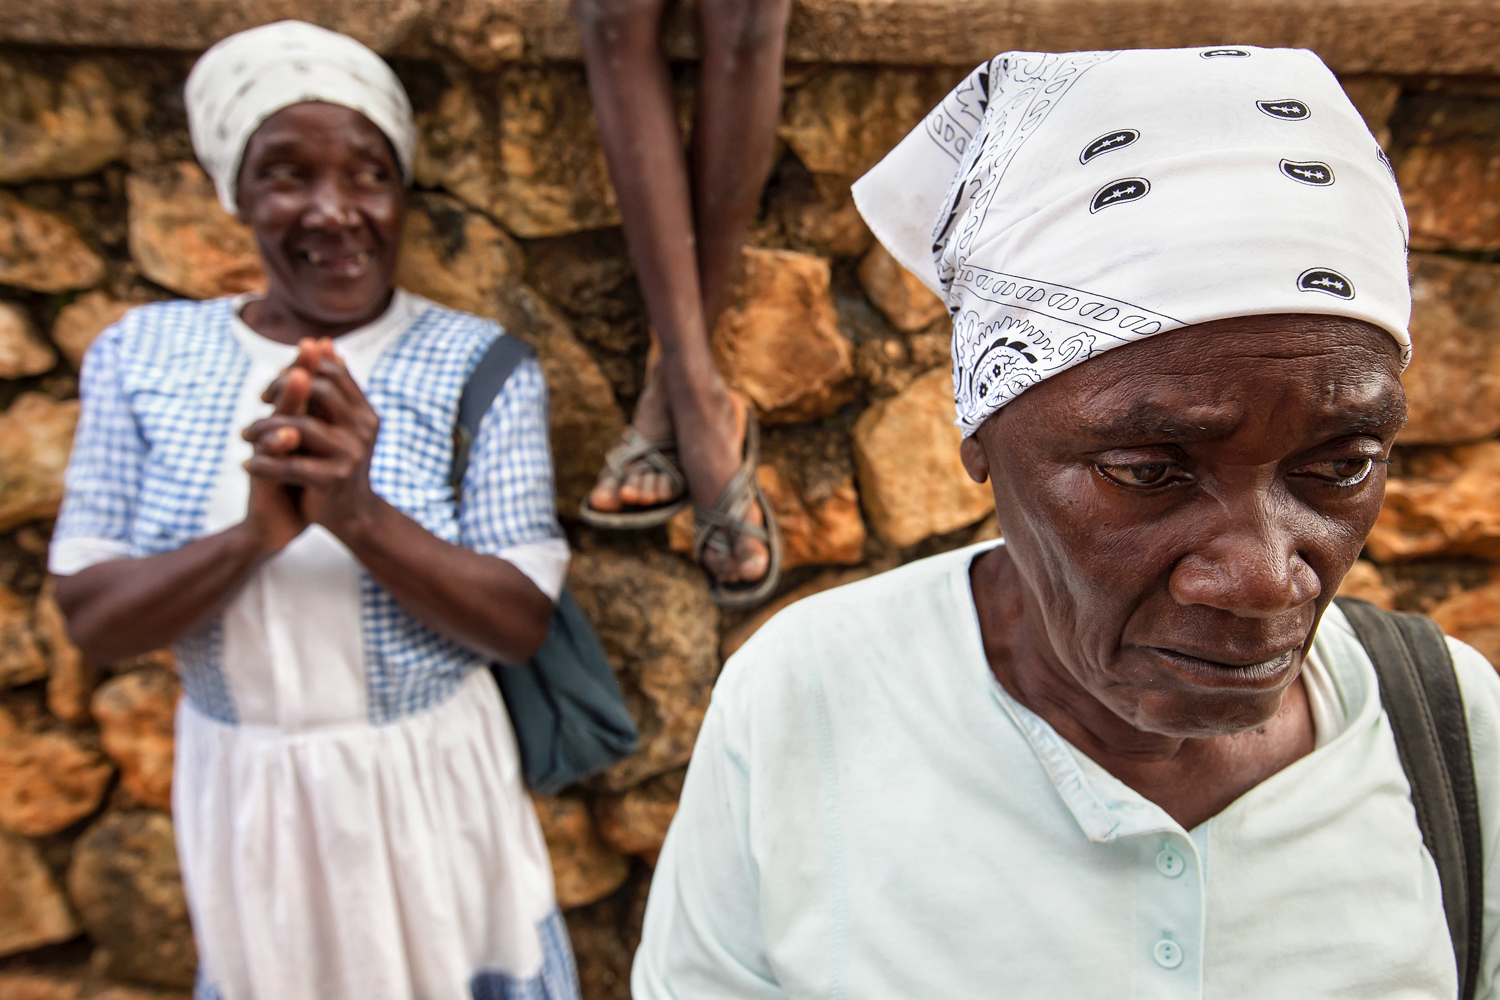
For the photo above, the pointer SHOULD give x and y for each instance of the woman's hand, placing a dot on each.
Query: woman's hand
(335, 433)
(273, 517)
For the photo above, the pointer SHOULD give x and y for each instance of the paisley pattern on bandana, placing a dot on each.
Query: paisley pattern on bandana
(1064, 204)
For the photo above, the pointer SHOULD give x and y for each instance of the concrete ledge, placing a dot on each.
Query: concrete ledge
(1353, 36)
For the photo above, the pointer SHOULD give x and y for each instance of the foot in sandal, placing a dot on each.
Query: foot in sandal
(735, 537)
(641, 485)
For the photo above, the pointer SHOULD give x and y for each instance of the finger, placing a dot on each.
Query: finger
(355, 405)
(315, 435)
(296, 389)
(334, 369)
(309, 353)
(274, 440)
(274, 390)
(298, 470)
(329, 401)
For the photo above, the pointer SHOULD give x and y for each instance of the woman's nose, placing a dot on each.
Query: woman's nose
(331, 206)
(1253, 569)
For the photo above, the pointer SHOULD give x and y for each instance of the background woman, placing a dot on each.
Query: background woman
(348, 804)
(685, 224)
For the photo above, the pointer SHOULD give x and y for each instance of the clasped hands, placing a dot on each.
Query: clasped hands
(311, 463)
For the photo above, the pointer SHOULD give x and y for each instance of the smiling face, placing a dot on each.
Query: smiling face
(321, 187)
(1182, 509)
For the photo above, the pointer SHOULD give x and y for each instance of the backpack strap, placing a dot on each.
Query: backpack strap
(1419, 690)
(484, 384)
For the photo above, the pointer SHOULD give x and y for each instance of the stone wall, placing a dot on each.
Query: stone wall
(842, 353)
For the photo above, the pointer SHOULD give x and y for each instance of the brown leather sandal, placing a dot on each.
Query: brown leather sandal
(720, 526)
(657, 454)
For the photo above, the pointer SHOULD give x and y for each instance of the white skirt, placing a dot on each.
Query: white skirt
(360, 862)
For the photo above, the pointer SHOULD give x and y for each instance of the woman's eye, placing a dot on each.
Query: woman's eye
(279, 173)
(1342, 472)
(370, 176)
(1145, 475)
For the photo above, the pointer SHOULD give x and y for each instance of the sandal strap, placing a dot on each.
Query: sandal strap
(719, 526)
(658, 454)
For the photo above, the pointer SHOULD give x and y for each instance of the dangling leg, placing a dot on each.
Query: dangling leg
(632, 95)
(734, 139)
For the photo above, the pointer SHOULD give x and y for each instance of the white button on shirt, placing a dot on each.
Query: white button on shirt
(869, 815)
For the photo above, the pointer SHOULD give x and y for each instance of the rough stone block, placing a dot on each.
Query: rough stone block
(24, 985)
(457, 257)
(181, 237)
(1365, 582)
(605, 936)
(62, 127)
(910, 477)
(584, 868)
(135, 712)
(48, 782)
(778, 342)
(127, 887)
(22, 351)
(71, 680)
(21, 659)
(842, 121)
(1375, 98)
(1448, 504)
(636, 822)
(586, 421)
(1452, 195)
(1453, 383)
(33, 910)
(42, 251)
(36, 434)
(1447, 155)
(552, 178)
(456, 148)
(1474, 617)
(656, 622)
(802, 214)
(907, 303)
(79, 322)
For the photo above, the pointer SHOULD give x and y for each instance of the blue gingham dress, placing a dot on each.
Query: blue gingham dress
(350, 815)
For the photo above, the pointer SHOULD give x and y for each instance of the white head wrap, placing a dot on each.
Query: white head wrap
(1065, 204)
(246, 78)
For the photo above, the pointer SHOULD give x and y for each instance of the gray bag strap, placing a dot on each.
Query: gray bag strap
(1419, 690)
(485, 383)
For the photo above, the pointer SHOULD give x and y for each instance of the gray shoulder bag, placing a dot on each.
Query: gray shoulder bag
(564, 704)
(1420, 693)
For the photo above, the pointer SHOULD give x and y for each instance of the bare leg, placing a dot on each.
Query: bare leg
(632, 95)
(734, 134)
(734, 139)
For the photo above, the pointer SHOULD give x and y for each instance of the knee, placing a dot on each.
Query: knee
(615, 22)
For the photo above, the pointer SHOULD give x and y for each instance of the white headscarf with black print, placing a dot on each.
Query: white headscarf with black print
(1067, 203)
(248, 77)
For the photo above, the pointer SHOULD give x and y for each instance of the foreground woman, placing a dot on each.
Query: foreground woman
(1134, 750)
(348, 803)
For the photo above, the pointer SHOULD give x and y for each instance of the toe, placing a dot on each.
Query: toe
(605, 495)
(753, 560)
(636, 488)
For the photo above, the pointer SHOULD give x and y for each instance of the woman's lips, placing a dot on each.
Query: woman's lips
(1218, 673)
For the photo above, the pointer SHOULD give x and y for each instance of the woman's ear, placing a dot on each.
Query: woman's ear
(976, 462)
